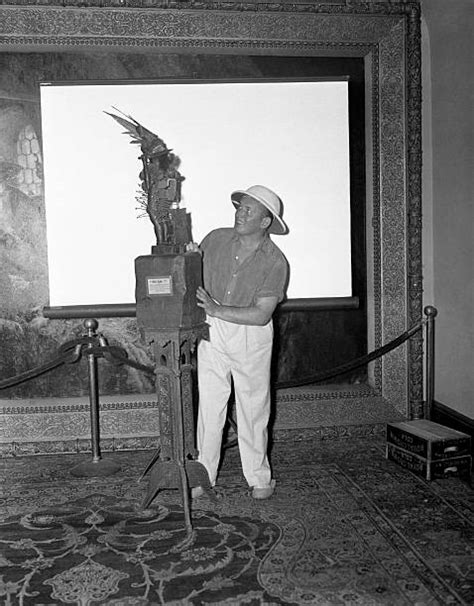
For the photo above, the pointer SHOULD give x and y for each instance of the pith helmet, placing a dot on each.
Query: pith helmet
(269, 199)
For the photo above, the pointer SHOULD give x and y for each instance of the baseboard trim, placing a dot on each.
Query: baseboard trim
(121, 444)
(130, 422)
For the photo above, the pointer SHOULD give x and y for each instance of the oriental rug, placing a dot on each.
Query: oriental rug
(344, 527)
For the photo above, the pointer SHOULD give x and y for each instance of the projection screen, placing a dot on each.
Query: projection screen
(291, 135)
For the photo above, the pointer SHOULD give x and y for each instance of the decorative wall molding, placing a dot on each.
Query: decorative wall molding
(385, 33)
(195, 29)
(55, 425)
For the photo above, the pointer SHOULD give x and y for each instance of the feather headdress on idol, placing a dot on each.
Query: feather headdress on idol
(160, 183)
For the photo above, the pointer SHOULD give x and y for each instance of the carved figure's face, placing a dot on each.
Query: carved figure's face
(251, 217)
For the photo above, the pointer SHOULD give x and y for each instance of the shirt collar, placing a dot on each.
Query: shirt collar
(264, 245)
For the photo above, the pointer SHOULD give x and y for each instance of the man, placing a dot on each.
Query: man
(245, 276)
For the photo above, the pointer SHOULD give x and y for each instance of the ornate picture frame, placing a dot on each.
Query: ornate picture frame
(385, 34)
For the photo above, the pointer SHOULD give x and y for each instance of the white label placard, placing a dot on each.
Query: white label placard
(160, 285)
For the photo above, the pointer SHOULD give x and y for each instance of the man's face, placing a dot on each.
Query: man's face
(250, 217)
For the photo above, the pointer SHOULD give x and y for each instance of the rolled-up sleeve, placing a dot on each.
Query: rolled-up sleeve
(274, 284)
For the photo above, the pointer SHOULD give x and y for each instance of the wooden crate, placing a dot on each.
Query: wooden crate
(429, 449)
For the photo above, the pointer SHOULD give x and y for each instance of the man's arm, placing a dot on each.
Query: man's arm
(254, 315)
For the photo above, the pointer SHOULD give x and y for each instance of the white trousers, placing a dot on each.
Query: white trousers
(244, 354)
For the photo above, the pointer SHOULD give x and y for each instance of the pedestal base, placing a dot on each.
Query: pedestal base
(100, 468)
(167, 474)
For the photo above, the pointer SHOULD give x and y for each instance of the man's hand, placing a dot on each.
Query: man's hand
(205, 301)
(193, 247)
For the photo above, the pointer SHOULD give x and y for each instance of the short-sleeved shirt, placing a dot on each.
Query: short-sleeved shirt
(263, 274)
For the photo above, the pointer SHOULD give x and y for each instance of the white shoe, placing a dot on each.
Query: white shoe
(263, 492)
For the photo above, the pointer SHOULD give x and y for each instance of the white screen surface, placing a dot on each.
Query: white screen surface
(290, 136)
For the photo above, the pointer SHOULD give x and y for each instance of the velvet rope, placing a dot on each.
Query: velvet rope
(339, 370)
(71, 352)
(68, 357)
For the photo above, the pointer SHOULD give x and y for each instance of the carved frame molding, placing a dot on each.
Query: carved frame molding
(385, 33)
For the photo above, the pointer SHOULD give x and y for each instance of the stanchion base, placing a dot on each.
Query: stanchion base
(95, 469)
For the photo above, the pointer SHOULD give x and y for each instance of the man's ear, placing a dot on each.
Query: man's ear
(266, 222)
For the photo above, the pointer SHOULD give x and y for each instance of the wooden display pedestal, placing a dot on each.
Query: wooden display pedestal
(429, 449)
(171, 322)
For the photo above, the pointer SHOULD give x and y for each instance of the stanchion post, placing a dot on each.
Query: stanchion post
(91, 326)
(431, 313)
(97, 466)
